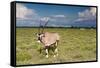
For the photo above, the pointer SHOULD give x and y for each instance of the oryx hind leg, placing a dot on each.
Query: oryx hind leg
(55, 50)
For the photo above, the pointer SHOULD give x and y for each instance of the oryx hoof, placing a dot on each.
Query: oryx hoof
(54, 56)
(57, 55)
(46, 56)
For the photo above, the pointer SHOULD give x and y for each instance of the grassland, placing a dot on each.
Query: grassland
(75, 45)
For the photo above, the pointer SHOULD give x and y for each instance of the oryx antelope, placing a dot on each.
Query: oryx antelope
(48, 39)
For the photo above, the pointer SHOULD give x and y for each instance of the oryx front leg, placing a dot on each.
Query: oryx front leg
(46, 50)
(46, 53)
(56, 51)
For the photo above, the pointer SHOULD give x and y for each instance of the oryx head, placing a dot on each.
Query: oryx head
(40, 33)
(39, 37)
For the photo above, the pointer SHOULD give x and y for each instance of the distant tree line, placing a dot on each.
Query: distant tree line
(74, 27)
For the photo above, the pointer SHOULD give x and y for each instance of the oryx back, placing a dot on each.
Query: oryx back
(50, 38)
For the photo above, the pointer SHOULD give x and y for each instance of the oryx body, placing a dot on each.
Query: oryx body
(48, 38)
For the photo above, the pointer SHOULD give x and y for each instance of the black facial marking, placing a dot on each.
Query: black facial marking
(38, 38)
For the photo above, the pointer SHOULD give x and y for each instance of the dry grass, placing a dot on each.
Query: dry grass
(75, 45)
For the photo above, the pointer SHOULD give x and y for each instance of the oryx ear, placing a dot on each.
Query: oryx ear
(43, 35)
